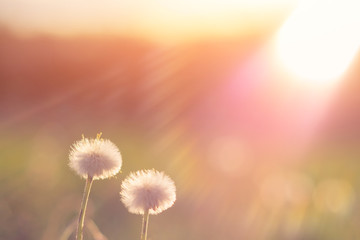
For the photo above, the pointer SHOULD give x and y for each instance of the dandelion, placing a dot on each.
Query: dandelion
(96, 158)
(147, 192)
(93, 159)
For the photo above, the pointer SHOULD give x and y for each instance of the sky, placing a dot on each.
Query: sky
(157, 19)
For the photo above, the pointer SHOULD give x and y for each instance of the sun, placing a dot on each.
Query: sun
(319, 40)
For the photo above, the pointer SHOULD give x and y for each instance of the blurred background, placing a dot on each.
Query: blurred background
(251, 107)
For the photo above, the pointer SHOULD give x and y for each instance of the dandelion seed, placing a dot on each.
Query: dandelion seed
(147, 192)
(97, 158)
(93, 159)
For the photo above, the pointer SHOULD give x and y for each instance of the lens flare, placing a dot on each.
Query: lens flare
(319, 40)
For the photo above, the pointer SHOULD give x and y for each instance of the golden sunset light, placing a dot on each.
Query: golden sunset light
(179, 119)
(320, 39)
(158, 20)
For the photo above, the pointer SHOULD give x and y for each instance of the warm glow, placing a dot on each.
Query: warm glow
(158, 19)
(319, 40)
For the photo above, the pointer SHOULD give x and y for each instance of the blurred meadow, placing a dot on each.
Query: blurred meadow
(251, 107)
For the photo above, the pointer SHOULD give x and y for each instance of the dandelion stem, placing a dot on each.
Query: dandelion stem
(79, 232)
(145, 224)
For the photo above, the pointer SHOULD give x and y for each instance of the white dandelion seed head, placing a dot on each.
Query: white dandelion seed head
(148, 190)
(97, 158)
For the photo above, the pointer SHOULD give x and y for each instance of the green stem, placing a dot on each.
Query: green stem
(79, 232)
(145, 224)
